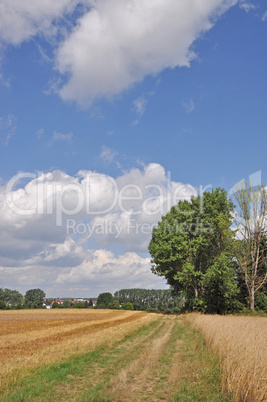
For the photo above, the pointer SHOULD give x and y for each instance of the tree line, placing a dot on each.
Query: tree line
(9, 299)
(213, 253)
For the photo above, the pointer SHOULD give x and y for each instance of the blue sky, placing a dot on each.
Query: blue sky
(171, 93)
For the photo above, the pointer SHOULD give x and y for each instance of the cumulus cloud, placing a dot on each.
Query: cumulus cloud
(59, 225)
(105, 46)
(22, 20)
(119, 42)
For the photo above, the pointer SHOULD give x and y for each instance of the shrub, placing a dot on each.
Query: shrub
(127, 306)
(152, 310)
(79, 305)
(176, 310)
(115, 305)
(168, 311)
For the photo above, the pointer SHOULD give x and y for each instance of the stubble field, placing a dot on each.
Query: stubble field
(109, 355)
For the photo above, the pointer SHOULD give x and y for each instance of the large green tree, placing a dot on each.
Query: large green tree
(34, 298)
(191, 248)
(11, 297)
(104, 299)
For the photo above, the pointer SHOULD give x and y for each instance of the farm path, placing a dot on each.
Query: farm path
(145, 367)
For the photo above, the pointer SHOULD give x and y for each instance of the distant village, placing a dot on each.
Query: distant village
(69, 302)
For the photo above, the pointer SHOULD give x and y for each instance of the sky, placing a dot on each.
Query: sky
(111, 111)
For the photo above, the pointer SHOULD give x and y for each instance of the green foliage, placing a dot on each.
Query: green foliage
(2, 305)
(104, 299)
(168, 311)
(57, 305)
(176, 310)
(34, 298)
(79, 305)
(114, 305)
(101, 306)
(261, 302)
(66, 303)
(143, 299)
(127, 306)
(152, 310)
(12, 298)
(90, 303)
(191, 248)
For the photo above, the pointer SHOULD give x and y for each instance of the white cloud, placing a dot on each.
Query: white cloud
(21, 20)
(119, 42)
(7, 128)
(54, 228)
(105, 46)
(189, 106)
(107, 154)
(62, 137)
(247, 6)
(264, 17)
(139, 107)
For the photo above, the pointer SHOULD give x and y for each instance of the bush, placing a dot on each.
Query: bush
(101, 306)
(176, 310)
(168, 311)
(79, 305)
(127, 306)
(115, 305)
(152, 310)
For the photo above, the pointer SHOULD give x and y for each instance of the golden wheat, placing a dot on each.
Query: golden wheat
(29, 339)
(241, 343)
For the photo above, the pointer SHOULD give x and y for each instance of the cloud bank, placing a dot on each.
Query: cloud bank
(106, 46)
(67, 233)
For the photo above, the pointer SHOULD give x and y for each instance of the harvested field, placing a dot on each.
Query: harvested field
(241, 343)
(31, 338)
(92, 355)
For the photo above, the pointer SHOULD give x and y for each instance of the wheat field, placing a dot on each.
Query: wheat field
(32, 338)
(241, 343)
(144, 355)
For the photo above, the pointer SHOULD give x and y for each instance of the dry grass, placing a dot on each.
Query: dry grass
(32, 338)
(241, 343)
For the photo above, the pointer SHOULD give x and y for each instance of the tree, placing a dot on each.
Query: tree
(91, 303)
(250, 247)
(104, 299)
(34, 298)
(143, 299)
(66, 303)
(191, 248)
(2, 305)
(11, 297)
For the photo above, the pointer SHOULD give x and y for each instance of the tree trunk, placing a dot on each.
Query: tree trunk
(251, 298)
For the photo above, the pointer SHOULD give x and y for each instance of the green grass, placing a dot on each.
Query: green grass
(203, 381)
